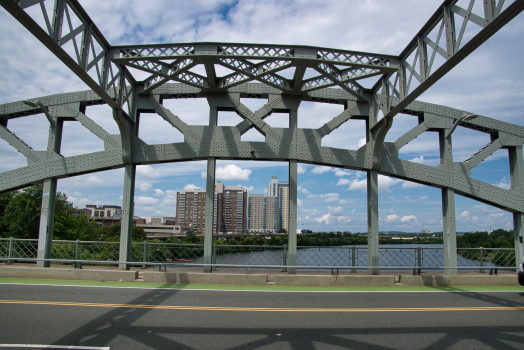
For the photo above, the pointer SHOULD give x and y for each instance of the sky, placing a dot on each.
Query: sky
(490, 82)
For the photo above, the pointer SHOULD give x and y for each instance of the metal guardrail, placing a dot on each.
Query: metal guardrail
(354, 257)
(162, 266)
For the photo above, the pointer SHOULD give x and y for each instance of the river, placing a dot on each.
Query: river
(431, 255)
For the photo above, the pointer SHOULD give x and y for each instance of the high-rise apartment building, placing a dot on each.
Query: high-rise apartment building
(230, 209)
(190, 209)
(262, 213)
(283, 204)
(272, 187)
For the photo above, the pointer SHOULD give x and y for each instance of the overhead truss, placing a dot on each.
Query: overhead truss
(284, 75)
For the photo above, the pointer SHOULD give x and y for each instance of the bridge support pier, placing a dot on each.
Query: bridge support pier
(47, 211)
(47, 218)
(292, 227)
(127, 216)
(449, 230)
(373, 243)
(210, 200)
(516, 168)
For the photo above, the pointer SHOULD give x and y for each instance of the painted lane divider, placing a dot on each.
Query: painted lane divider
(260, 309)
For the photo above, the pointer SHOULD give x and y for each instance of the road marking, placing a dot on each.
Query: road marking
(261, 309)
(42, 346)
(391, 290)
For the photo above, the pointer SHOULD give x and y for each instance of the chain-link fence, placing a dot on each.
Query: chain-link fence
(249, 254)
(345, 256)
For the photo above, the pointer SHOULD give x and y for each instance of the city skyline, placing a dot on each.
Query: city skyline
(490, 82)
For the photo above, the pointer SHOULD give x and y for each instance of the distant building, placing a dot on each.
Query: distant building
(190, 209)
(283, 205)
(78, 212)
(262, 213)
(272, 187)
(103, 210)
(230, 209)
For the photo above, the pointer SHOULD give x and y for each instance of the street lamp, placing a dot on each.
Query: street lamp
(463, 118)
(38, 104)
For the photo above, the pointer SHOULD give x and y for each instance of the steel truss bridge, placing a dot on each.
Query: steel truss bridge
(399, 80)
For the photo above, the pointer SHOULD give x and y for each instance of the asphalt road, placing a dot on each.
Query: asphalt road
(129, 318)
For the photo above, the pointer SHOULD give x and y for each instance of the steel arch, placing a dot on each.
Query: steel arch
(257, 69)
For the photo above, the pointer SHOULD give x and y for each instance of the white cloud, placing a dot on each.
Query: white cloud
(330, 197)
(504, 183)
(190, 187)
(145, 186)
(320, 169)
(409, 184)
(77, 194)
(424, 197)
(301, 169)
(418, 159)
(342, 182)
(249, 188)
(342, 172)
(342, 201)
(159, 192)
(232, 172)
(304, 191)
(361, 142)
(147, 171)
(336, 211)
(475, 218)
(357, 185)
(330, 219)
(408, 218)
(145, 201)
(464, 214)
(496, 215)
(299, 202)
(148, 209)
(392, 217)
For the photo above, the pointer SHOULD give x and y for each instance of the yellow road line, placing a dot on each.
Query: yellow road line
(259, 309)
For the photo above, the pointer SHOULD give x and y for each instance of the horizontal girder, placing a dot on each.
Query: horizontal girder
(304, 145)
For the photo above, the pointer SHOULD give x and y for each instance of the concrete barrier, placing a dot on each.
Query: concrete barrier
(68, 274)
(206, 278)
(464, 280)
(305, 280)
(365, 280)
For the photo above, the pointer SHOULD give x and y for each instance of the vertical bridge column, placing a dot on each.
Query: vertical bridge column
(517, 179)
(47, 212)
(372, 196)
(128, 206)
(373, 242)
(449, 231)
(292, 218)
(210, 197)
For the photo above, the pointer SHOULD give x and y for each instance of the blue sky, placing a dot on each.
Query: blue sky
(490, 82)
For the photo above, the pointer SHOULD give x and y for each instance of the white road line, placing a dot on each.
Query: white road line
(43, 346)
(271, 291)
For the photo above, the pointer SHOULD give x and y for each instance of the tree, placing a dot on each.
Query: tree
(112, 233)
(282, 230)
(5, 199)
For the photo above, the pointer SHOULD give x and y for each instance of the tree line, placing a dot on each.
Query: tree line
(20, 218)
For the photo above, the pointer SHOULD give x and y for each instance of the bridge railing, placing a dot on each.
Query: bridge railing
(420, 257)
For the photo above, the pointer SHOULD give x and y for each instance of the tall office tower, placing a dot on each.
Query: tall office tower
(271, 214)
(255, 212)
(272, 187)
(190, 209)
(231, 204)
(262, 213)
(283, 204)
